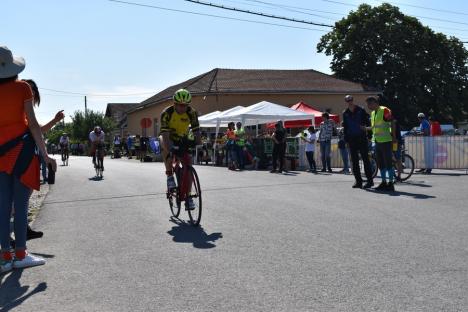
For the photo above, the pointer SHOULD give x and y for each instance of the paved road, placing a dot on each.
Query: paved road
(269, 242)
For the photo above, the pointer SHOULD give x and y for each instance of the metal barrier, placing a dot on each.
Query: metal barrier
(439, 152)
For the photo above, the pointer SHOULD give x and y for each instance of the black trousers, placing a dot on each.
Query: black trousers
(360, 145)
(311, 160)
(278, 154)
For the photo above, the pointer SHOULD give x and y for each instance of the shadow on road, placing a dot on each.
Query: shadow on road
(414, 183)
(186, 233)
(96, 179)
(400, 193)
(12, 294)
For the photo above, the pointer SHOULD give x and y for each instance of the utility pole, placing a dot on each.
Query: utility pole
(85, 107)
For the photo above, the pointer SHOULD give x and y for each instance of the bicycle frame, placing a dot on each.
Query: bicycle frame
(186, 161)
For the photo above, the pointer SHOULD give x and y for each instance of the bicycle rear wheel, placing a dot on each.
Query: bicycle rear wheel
(195, 194)
(407, 163)
(373, 165)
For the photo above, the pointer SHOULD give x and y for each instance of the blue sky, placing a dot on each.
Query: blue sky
(116, 52)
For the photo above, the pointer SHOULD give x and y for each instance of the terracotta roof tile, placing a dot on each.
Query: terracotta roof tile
(224, 81)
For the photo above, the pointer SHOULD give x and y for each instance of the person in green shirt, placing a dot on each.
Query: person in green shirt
(240, 144)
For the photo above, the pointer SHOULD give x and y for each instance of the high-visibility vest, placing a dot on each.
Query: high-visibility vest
(240, 133)
(381, 129)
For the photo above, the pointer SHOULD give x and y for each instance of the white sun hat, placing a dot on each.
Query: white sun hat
(10, 65)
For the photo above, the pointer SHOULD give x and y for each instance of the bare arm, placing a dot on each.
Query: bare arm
(166, 140)
(59, 116)
(37, 134)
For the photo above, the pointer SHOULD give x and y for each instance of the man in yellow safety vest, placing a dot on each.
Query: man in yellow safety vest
(383, 131)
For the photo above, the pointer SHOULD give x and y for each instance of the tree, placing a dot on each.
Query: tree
(83, 124)
(417, 69)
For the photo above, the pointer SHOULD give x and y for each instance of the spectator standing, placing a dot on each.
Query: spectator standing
(279, 146)
(354, 118)
(343, 151)
(240, 145)
(310, 137)
(20, 134)
(384, 136)
(129, 146)
(327, 128)
(231, 146)
(425, 131)
(435, 130)
(137, 146)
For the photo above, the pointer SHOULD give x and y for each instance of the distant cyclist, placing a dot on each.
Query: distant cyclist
(96, 137)
(175, 123)
(64, 145)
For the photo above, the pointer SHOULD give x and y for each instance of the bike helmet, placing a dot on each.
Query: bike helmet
(182, 96)
(421, 115)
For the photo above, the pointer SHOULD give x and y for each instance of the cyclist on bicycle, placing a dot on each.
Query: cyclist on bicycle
(64, 144)
(96, 137)
(175, 123)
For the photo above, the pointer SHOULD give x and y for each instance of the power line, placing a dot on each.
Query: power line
(93, 94)
(288, 8)
(212, 15)
(257, 13)
(430, 9)
(418, 16)
(295, 7)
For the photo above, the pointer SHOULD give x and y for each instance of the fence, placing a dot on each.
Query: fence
(440, 152)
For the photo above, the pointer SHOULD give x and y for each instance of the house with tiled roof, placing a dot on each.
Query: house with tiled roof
(221, 89)
(118, 112)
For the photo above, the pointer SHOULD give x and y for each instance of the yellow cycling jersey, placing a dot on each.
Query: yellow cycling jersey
(178, 124)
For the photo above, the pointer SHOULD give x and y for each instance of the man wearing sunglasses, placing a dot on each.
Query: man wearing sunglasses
(354, 118)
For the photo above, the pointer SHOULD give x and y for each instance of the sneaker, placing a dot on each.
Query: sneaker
(31, 234)
(5, 266)
(382, 186)
(189, 204)
(390, 187)
(368, 185)
(428, 171)
(357, 185)
(323, 170)
(273, 171)
(28, 261)
(171, 183)
(421, 170)
(329, 170)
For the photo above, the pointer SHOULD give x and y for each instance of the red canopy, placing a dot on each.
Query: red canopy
(303, 107)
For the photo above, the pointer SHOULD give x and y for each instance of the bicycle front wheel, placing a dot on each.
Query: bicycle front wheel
(195, 194)
(173, 195)
(407, 163)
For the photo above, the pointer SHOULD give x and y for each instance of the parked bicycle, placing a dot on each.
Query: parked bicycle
(188, 184)
(407, 165)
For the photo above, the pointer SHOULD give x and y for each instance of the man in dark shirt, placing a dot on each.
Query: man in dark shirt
(279, 147)
(354, 117)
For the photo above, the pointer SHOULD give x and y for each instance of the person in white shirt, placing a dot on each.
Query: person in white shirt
(96, 137)
(310, 137)
(64, 145)
(64, 140)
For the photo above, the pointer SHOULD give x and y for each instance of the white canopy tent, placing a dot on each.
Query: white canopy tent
(217, 120)
(260, 113)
